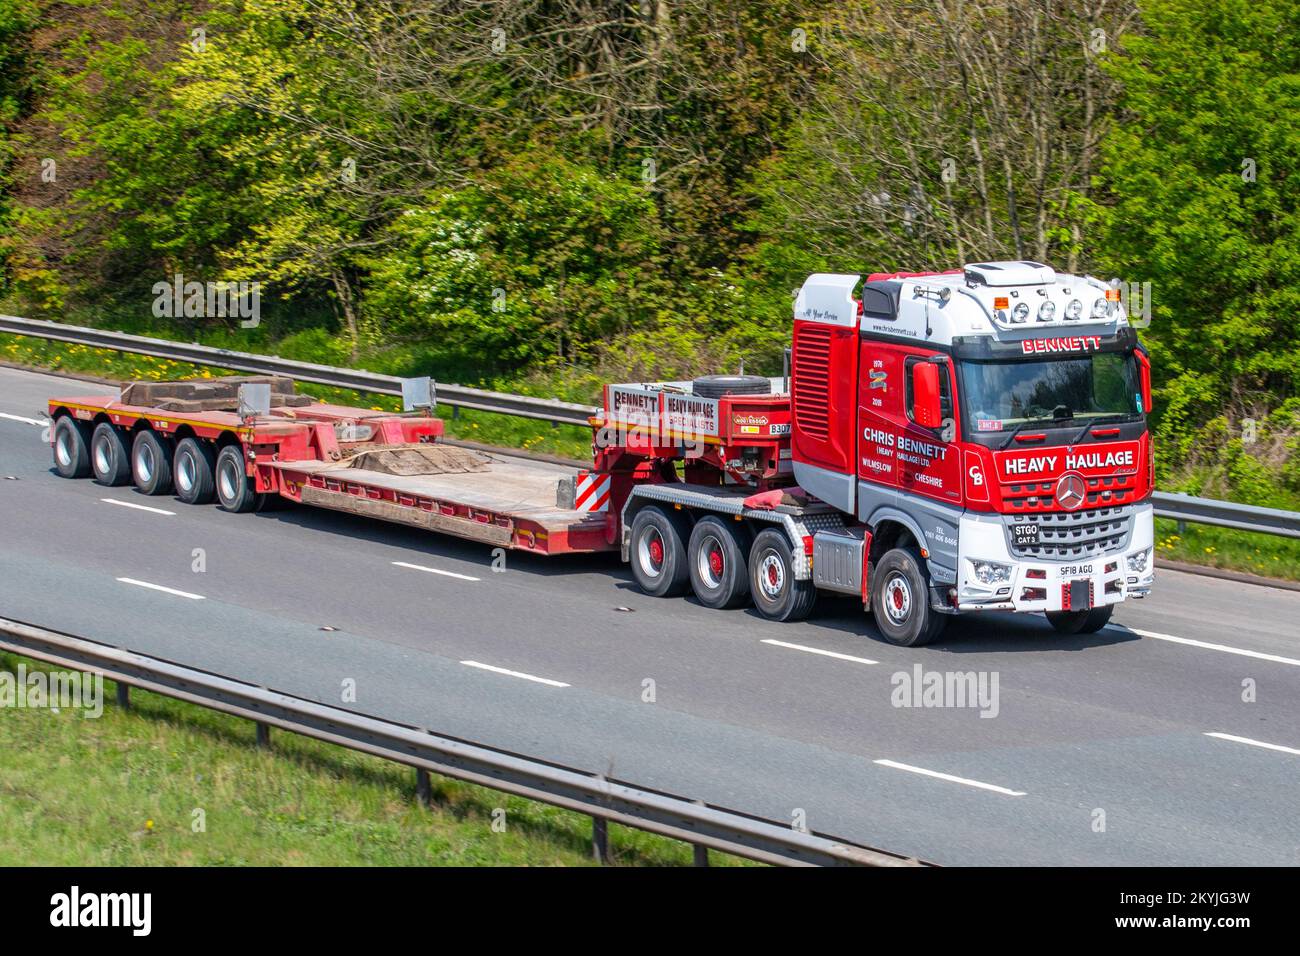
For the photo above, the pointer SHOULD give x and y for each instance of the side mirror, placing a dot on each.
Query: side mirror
(925, 395)
(1144, 376)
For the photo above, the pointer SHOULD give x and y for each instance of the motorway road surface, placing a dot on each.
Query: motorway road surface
(1101, 750)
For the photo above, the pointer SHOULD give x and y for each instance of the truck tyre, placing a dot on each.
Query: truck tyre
(151, 463)
(193, 472)
(71, 454)
(1081, 622)
(900, 600)
(658, 554)
(716, 558)
(777, 595)
(109, 458)
(715, 386)
(234, 489)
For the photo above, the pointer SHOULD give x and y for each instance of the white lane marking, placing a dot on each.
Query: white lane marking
(949, 777)
(449, 574)
(509, 673)
(1256, 743)
(1259, 655)
(131, 504)
(25, 421)
(817, 650)
(159, 587)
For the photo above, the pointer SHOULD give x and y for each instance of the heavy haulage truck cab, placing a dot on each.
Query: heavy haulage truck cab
(953, 442)
(944, 443)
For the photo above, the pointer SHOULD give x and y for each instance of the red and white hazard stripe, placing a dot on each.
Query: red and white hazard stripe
(591, 492)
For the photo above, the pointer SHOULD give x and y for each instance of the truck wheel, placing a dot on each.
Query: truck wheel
(109, 459)
(151, 463)
(715, 386)
(71, 456)
(658, 554)
(777, 595)
(900, 600)
(234, 490)
(193, 472)
(717, 556)
(1081, 622)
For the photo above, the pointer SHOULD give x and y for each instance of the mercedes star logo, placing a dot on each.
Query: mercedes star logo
(1071, 491)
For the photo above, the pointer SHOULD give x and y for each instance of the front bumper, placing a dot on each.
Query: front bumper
(1040, 584)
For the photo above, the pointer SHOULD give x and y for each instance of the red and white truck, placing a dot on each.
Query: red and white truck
(943, 443)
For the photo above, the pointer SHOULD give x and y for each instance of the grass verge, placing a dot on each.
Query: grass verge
(129, 788)
(1262, 554)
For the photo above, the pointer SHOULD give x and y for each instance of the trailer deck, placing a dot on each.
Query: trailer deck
(513, 502)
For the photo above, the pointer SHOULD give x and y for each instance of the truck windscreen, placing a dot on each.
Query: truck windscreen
(1000, 395)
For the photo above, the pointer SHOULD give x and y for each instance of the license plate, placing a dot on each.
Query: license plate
(1024, 534)
(1080, 595)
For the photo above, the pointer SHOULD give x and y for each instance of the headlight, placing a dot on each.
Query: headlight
(1020, 312)
(1074, 310)
(1100, 308)
(1047, 311)
(1137, 563)
(986, 572)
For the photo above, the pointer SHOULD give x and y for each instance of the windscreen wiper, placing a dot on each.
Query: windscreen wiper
(1100, 420)
(1021, 427)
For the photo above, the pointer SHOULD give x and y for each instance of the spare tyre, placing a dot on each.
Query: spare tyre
(715, 386)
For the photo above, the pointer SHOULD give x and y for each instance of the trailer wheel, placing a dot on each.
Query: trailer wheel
(717, 555)
(777, 595)
(151, 463)
(71, 456)
(234, 491)
(900, 600)
(193, 472)
(109, 459)
(658, 554)
(1081, 622)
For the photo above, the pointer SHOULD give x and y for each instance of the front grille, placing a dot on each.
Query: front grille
(1075, 534)
(1038, 497)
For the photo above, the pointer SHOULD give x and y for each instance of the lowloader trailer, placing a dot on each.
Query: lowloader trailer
(943, 444)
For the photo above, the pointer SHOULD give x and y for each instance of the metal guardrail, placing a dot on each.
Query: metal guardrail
(602, 799)
(1225, 514)
(456, 396)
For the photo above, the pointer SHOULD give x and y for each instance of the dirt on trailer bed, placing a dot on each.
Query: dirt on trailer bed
(409, 460)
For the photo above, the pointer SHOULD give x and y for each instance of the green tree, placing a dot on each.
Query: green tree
(1202, 200)
(17, 18)
(538, 263)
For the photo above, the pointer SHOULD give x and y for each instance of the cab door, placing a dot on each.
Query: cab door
(929, 459)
